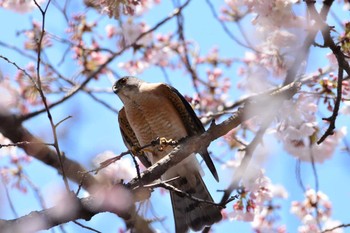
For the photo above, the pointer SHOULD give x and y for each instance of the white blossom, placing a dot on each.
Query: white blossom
(122, 169)
(20, 6)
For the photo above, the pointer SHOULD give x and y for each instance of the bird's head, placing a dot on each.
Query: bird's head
(126, 86)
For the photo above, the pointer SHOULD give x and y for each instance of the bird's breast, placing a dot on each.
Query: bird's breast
(154, 116)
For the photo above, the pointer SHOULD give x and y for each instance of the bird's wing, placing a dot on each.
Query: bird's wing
(130, 139)
(189, 118)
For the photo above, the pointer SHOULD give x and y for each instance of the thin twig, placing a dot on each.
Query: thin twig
(227, 30)
(185, 58)
(333, 117)
(86, 227)
(18, 144)
(335, 228)
(18, 67)
(42, 95)
(181, 193)
(298, 175)
(8, 196)
(249, 150)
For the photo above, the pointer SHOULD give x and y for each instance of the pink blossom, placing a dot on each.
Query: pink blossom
(113, 8)
(160, 56)
(7, 151)
(115, 199)
(346, 108)
(213, 57)
(130, 31)
(241, 215)
(254, 198)
(346, 90)
(309, 215)
(265, 222)
(275, 26)
(20, 6)
(275, 13)
(298, 126)
(159, 53)
(134, 67)
(28, 92)
(33, 36)
(9, 96)
(121, 170)
(145, 6)
(278, 191)
(111, 30)
(128, 7)
(254, 75)
(330, 224)
(332, 59)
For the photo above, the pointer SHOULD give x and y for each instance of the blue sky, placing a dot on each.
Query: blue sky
(94, 129)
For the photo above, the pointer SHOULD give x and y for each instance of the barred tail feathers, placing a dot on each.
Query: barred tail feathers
(189, 213)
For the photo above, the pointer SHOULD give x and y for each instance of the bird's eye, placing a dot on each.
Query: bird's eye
(114, 88)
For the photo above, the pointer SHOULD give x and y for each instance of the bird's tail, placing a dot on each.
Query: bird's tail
(189, 213)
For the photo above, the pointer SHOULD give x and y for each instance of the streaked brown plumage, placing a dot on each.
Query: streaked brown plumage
(153, 110)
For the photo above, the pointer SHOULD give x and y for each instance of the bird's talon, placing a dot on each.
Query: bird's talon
(134, 150)
(164, 141)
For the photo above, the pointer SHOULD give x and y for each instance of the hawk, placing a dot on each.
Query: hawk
(157, 110)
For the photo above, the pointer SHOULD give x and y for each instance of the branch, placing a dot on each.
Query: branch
(249, 150)
(12, 129)
(333, 117)
(335, 228)
(227, 30)
(75, 208)
(184, 56)
(309, 40)
(181, 193)
(43, 97)
(342, 62)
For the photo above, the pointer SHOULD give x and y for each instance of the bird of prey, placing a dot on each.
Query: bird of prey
(157, 110)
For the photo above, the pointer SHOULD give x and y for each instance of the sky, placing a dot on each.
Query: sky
(94, 129)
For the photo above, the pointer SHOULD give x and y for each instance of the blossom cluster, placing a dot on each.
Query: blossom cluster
(256, 199)
(315, 212)
(115, 173)
(114, 8)
(12, 173)
(298, 130)
(277, 28)
(20, 6)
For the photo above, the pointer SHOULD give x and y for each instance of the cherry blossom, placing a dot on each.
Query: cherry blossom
(7, 151)
(214, 58)
(28, 86)
(9, 96)
(121, 170)
(131, 30)
(255, 202)
(159, 53)
(346, 108)
(315, 209)
(114, 8)
(297, 128)
(20, 6)
(33, 36)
